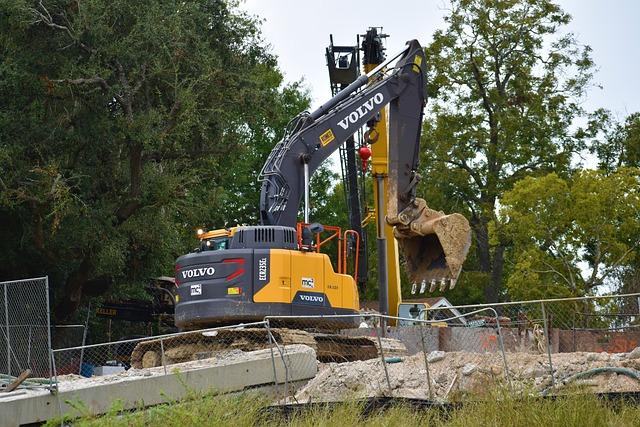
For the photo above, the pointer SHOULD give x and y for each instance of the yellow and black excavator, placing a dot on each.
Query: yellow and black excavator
(245, 273)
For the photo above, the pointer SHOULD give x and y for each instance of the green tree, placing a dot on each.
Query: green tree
(571, 236)
(615, 144)
(504, 91)
(124, 126)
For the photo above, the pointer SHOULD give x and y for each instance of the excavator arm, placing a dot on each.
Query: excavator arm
(314, 137)
(433, 244)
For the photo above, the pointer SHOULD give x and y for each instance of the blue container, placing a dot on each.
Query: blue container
(86, 370)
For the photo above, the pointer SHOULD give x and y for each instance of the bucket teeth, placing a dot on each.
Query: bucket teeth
(423, 286)
(434, 245)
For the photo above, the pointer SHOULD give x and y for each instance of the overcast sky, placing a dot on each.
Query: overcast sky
(298, 32)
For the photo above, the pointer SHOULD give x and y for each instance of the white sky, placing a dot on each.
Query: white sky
(298, 32)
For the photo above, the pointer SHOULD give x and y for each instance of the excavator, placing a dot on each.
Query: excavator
(247, 272)
(244, 273)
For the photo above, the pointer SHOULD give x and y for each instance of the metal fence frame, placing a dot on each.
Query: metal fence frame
(496, 323)
(58, 353)
(41, 320)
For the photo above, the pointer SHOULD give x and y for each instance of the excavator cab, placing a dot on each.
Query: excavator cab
(215, 240)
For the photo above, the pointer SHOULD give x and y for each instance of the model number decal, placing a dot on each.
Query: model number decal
(262, 269)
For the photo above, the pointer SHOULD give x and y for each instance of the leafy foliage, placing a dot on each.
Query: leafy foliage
(505, 87)
(571, 236)
(124, 126)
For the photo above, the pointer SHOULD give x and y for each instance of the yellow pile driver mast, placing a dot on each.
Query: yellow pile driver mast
(390, 292)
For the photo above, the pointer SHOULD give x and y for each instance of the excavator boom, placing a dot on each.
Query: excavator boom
(434, 245)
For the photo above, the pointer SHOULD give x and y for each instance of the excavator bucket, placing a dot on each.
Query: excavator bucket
(434, 245)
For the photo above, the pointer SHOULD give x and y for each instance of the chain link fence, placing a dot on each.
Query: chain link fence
(446, 353)
(25, 331)
(161, 351)
(549, 343)
(361, 356)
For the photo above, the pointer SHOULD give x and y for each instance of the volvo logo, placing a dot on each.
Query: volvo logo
(312, 298)
(198, 272)
(354, 116)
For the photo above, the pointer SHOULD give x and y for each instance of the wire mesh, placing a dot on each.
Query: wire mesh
(25, 336)
(443, 353)
(360, 356)
(187, 349)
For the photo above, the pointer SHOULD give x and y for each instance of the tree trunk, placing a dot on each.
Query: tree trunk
(491, 262)
(492, 292)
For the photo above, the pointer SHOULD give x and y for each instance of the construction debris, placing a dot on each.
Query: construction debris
(454, 373)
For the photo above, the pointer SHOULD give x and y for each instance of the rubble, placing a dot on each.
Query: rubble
(465, 372)
(634, 354)
(435, 356)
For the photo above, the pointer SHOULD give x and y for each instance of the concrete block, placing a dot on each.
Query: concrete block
(146, 387)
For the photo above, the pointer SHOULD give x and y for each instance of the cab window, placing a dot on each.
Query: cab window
(217, 244)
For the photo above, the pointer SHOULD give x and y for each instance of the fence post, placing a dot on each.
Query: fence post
(164, 365)
(49, 343)
(6, 328)
(504, 354)
(384, 362)
(284, 363)
(84, 336)
(426, 360)
(548, 341)
(272, 341)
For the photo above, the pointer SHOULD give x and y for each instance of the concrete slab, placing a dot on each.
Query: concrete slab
(146, 387)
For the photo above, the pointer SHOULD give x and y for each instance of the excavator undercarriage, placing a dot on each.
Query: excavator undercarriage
(196, 345)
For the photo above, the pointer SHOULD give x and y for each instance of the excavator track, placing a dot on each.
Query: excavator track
(202, 345)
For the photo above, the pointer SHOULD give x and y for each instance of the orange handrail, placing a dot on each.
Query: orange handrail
(335, 232)
(355, 264)
(342, 246)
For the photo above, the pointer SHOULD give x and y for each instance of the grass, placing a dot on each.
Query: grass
(494, 410)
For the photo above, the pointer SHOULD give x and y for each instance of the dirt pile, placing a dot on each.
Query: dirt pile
(463, 372)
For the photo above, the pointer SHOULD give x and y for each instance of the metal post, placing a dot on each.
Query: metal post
(426, 360)
(164, 365)
(6, 328)
(546, 337)
(384, 363)
(273, 360)
(504, 355)
(306, 192)
(383, 280)
(84, 336)
(29, 346)
(49, 343)
(284, 363)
